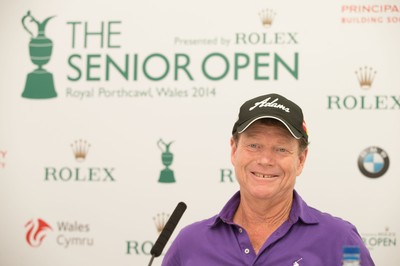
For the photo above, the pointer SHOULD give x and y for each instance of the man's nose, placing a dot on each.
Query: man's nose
(267, 157)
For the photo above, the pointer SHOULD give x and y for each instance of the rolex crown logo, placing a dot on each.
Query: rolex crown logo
(160, 220)
(80, 148)
(267, 17)
(365, 76)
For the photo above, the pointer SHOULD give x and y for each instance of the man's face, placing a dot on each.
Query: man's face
(267, 161)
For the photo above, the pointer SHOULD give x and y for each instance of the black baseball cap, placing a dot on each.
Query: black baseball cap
(273, 106)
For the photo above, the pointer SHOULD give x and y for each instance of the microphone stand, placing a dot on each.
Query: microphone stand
(151, 260)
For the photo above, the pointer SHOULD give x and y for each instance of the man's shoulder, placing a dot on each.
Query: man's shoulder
(200, 226)
(311, 215)
(328, 220)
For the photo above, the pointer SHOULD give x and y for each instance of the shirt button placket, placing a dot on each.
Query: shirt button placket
(244, 242)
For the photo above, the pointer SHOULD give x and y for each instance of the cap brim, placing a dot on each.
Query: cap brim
(295, 133)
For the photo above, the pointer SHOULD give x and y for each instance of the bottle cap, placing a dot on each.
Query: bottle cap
(351, 252)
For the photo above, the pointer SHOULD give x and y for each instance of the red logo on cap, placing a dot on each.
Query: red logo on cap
(305, 127)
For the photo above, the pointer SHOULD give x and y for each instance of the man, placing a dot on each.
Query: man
(267, 222)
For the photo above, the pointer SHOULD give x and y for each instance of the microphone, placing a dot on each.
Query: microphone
(167, 231)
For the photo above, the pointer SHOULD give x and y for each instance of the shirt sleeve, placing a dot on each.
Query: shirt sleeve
(172, 257)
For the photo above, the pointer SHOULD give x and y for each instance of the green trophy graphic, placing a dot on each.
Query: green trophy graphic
(166, 175)
(39, 83)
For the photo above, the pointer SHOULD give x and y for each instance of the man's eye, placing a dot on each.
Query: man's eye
(281, 150)
(254, 146)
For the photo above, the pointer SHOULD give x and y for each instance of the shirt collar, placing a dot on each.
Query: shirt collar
(300, 210)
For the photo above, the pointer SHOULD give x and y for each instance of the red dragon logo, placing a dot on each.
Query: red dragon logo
(36, 232)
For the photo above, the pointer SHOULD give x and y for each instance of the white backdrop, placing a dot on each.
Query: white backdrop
(127, 74)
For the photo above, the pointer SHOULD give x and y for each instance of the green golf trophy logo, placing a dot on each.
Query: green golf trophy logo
(39, 83)
(166, 175)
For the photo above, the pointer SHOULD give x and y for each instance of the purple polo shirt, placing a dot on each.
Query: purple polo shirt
(309, 237)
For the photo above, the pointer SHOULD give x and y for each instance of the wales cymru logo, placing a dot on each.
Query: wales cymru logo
(36, 232)
(39, 83)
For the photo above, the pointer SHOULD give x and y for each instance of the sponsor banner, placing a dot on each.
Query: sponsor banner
(111, 116)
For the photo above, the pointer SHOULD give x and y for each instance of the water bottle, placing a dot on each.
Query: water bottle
(351, 256)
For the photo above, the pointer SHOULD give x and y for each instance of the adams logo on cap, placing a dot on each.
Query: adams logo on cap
(272, 104)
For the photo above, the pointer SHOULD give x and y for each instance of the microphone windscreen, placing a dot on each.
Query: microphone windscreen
(168, 229)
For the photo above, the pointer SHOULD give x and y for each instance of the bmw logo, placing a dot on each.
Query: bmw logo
(373, 162)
